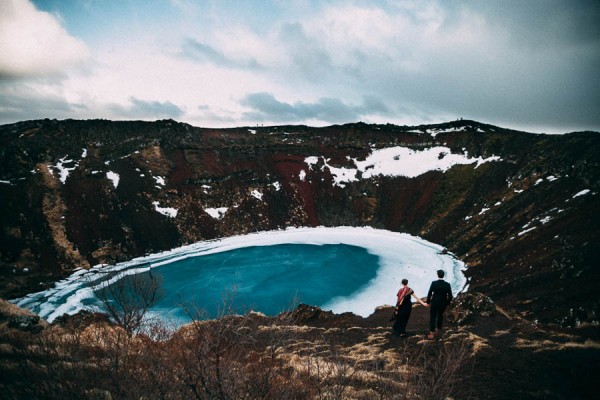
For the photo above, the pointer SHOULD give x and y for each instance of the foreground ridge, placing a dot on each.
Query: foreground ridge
(486, 352)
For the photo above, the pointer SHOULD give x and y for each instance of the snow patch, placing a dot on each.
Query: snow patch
(582, 193)
(436, 131)
(159, 180)
(256, 194)
(341, 176)
(398, 161)
(302, 175)
(168, 211)
(114, 177)
(525, 231)
(63, 171)
(216, 213)
(312, 160)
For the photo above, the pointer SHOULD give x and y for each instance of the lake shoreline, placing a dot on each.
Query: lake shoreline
(401, 256)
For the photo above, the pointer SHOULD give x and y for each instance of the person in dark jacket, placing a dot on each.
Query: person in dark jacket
(404, 308)
(438, 298)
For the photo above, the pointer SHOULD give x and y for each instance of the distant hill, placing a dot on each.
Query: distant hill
(520, 209)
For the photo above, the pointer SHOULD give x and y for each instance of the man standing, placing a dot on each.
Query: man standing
(439, 296)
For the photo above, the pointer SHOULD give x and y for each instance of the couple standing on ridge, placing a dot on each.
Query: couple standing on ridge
(438, 297)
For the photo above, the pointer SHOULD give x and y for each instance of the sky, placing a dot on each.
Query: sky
(532, 65)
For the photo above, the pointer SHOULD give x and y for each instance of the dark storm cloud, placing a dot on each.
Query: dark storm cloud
(545, 69)
(524, 64)
(265, 107)
(546, 23)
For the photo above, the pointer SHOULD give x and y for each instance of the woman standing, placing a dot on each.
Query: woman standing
(404, 308)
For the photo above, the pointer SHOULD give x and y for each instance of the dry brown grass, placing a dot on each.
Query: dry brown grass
(250, 357)
(551, 345)
(9, 309)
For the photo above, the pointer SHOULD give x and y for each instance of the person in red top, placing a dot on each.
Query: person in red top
(404, 308)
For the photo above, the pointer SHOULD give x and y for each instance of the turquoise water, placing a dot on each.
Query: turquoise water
(269, 279)
(342, 269)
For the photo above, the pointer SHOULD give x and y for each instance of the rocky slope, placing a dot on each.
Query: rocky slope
(520, 209)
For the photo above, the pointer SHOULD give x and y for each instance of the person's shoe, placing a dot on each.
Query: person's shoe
(431, 336)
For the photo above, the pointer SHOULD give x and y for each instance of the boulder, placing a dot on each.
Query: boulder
(19, 318)
(305, 313)
(469, 305)
(27, 323)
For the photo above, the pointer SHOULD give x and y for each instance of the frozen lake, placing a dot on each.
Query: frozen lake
(339, 269)
(268, 279)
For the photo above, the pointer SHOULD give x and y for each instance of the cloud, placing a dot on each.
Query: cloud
(146, 110)
(545, 24)
(203, 53)
(306, 54)
(265, 107)
(21, 102)
(205, 113)
(523, 65)
(33, 43)
(461, 59)
(28, 101)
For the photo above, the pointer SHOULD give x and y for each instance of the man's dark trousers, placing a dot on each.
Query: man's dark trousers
(436, 316)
